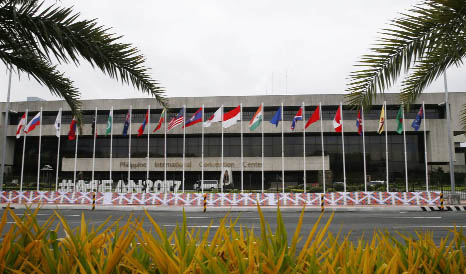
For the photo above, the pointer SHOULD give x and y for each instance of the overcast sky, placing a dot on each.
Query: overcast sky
(241, 47)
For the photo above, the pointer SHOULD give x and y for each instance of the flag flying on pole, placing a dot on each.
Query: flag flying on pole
(230, 118)
(143, 125)
(359, 123)
(297, 117)
(417, 122)
(177, 120)
(381, 121)
(314, 117)
(196, 118)
(72, 132)
(21, 124)
(277, 117)
(58, 124)
(256, 119)
(161, 120)
(126, 125)
(94, 130)
(337, 121)
(216, 117)
(399, 121)
(33, 123)
(109, 123)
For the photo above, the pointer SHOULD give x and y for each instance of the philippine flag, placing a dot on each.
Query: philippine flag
(72, 132)
(143, 125)
(196, 118)
(33, 123)
(297, 117)
(21, 124)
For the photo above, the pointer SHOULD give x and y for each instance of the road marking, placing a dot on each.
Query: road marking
(198, 217)
(415, 217)
(431, 226)
(200, 226)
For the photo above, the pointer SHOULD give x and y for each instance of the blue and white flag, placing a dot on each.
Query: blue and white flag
(277, 117)
(126, 125)
(417, 122)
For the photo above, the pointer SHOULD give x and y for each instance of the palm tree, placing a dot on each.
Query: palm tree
(422, 43)
(34, 36)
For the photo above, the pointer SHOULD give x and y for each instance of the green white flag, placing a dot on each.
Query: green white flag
(399, 120)
(256, 120)
(109, 123)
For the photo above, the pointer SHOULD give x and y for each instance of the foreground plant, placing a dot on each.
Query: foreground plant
(127, 247)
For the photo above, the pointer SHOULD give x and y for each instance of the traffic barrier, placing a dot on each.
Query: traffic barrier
(205, 202)
(93, 200)
(441, 202)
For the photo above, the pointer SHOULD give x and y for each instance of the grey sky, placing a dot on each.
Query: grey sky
(207, 48)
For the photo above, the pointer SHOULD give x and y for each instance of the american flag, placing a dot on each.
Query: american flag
(177, 120)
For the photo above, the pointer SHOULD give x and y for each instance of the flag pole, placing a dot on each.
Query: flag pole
(58, 152)
(406, 154)
(364, 148)
(129, 147)
(283, 153)
(24, 148)
(165, 151)
(425, 145)
(343, 146)
(93, 151)
(148, 143)
(40, 143)
(184, 140)
(75, 156)
(111, 147)
(385, 125)
(221, 164)
(322, 141)
(262, 143)
(304, 147)
(202, 151)
(242, 168)
(7, 112)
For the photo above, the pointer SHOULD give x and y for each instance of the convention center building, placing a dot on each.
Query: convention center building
(268, 156)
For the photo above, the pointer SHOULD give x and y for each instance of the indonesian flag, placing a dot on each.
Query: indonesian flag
(216, 117)
(21, 124)
(337, 123)
(230, 118)
(72, 132)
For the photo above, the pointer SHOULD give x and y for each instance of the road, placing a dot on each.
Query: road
(358, 223)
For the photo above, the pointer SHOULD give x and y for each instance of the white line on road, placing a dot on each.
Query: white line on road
(430, 226)
(201, 226)
(415, 217)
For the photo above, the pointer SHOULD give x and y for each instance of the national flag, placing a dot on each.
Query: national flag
(256, 119)
(337, 125)
(417, 122)
(58, 124)
(177, 120)
(231, 117)
(399, 120)
(196, 118)
(94, 130)
(161, 120)
(314, 118)
(359, 123)
(277, 117)
(72, 132)
(126, 125)
(216, 117)
(109, 123)
(142, 127)
(297, 117)
(33, 123)
(21, 124)
(381, 121)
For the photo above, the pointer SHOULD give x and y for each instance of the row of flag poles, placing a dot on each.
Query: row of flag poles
(227, 120)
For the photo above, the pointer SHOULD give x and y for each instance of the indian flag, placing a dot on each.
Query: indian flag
(256, 120)
(109, 123)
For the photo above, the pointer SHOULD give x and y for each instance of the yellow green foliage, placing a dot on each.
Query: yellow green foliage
(127, 247)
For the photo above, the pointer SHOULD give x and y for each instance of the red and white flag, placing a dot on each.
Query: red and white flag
(314, 118)
(337, 123)
(216, 117)
(230, 118)
(21, 124)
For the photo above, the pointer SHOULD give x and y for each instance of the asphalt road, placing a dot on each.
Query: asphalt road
(358, 223)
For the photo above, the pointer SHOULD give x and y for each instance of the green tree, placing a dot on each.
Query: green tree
(425, 41)
(34, 36)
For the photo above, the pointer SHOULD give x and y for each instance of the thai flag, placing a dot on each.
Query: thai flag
(196, 118)
(297, 117)
(21, 124)
(72, 132)
(359, 123)
(143, 125)
(33, 123)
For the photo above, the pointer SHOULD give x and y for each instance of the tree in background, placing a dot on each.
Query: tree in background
(423, 43)
(34, 36)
